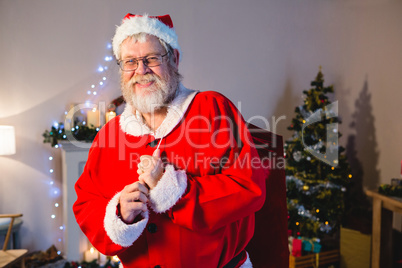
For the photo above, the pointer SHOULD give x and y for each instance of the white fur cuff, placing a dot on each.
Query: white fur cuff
(119, 232)
(169, 189)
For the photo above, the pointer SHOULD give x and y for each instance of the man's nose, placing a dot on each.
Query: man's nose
(142, 68)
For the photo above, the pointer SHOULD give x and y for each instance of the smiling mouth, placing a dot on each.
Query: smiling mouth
(144, 83)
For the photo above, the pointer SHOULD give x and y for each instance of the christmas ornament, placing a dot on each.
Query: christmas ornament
(297, 156)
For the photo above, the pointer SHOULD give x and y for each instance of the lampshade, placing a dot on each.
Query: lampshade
(7, 140)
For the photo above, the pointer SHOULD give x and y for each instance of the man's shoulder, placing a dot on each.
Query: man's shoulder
(213, 103)
(211, 96)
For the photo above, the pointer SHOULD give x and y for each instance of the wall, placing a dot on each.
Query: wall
(260, 53)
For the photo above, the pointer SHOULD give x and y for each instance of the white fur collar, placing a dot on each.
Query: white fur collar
(134, 124)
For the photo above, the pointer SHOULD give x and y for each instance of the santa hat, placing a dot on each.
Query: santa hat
(159, 26)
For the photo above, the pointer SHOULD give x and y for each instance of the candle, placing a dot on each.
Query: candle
(115, 259)
(102, 259)
(91, 255)
(110, 115)
(93, 118)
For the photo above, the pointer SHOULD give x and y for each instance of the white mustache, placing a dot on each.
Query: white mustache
(142, 79)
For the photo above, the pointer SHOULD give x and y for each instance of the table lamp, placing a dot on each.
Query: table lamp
(7, 140)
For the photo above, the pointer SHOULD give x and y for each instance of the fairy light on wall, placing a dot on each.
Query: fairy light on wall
(102, 68)
(92, 91)
(55, 193)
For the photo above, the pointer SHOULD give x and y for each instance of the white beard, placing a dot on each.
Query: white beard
(158, 95)
(150, 102)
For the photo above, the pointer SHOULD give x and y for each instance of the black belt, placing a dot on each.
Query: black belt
(235, 261)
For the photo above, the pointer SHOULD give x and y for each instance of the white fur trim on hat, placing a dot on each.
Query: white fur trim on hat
(144, 24)
(169, 189)
(119, 232)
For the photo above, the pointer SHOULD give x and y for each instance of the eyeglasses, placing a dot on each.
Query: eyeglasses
(129, 65)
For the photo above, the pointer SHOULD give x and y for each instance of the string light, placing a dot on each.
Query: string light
(56, 191)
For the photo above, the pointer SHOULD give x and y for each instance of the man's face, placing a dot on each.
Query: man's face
(147, 88)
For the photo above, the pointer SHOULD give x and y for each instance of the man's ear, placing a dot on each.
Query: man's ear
(176, 57)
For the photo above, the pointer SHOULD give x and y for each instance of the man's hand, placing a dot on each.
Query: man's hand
(133, 201)
(150, 169)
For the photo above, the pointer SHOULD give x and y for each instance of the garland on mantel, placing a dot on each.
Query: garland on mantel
(80, 132)
(58, 133)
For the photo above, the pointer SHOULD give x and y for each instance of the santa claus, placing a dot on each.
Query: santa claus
(174, 181)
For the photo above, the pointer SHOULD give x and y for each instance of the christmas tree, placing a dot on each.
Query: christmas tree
(317, 171)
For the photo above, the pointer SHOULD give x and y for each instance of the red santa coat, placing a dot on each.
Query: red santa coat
(201, 213)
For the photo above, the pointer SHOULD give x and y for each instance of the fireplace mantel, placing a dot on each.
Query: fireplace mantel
(74, 157)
